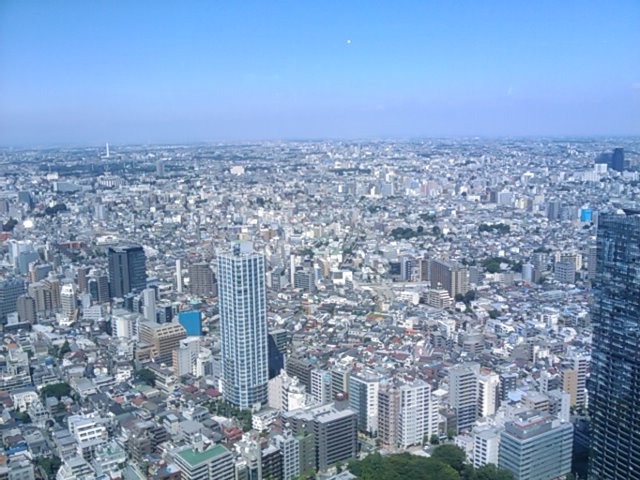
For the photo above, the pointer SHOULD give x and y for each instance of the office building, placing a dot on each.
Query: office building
(200, 462)
(300, 368)
(614, 387)
(191, 321)
(162, 338)
(68, 300)
(334, 432)
(10, 290)
(243, 325)
(201, 280)
(564, 272)
(127, 270)
(536, 446)
(26, 308)
(185, 357)
(276, 357)
(485, 447)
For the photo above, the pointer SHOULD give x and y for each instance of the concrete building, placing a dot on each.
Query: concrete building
(201, 280)
(243, 325)
(163, 338)
(127, 269)
(363, 399)
(536, 446)
(200, 462)
(463, 394)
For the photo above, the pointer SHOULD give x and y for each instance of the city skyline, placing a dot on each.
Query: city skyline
(125, 73)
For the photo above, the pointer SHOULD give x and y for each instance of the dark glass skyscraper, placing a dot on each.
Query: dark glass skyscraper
(127, 270)
(614, 384)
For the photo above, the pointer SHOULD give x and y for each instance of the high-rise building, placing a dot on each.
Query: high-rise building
(300, 368)
(127, 269)
(614, 385)
(617, 159)
(463, 394)
(536, 446)
(163, 338)
(179, 280)
(68, 302)
(452, 277)
(333, 430)
(26, 307)
(363, 399)
(98, 286)
(290, 453)
(185, 357)
(149, 304)
(415, 414)
(488, 393)
(201, 462)
(191, 321)
(243, 325)
(321, 386)
(10, 290)
(201, 280)
(573, 376)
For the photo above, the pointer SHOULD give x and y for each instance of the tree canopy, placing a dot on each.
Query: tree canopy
(447, 462)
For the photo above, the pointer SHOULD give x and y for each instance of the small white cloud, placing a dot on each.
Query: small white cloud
(510, 91)
(635, 85)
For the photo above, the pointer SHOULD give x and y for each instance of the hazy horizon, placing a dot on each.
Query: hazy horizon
(82, 74)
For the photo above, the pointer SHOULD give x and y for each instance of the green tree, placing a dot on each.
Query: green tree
(491, 472)
(434, 440)
(49, 466)
(450, 455)
(147, 376)
(57, 390)
(66, 348)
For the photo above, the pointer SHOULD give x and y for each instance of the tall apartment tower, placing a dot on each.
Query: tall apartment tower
(363, 399)
(614, 385)
(463, 393)
(243, 325)
(127, 270)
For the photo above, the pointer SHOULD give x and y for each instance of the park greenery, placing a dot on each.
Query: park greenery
(501, 228)
(494, 264)
(447, 462)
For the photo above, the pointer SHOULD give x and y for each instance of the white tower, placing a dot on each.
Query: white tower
(243, 325)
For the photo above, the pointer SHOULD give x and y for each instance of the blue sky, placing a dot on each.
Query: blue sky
(88, 72)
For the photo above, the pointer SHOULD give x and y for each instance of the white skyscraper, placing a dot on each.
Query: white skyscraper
(243, 325)
(488, 384)
(68, 301)
(149, 304)
(415, 414)
(179, 286)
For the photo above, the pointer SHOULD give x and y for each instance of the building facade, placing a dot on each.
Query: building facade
(243, 325)
(614, 382)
